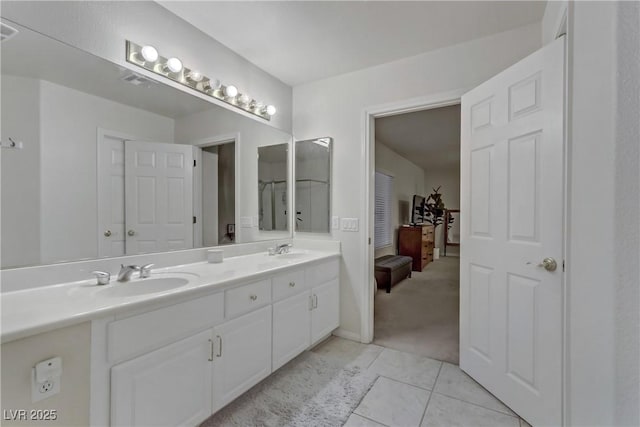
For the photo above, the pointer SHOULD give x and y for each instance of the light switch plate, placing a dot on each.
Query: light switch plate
(350, 224)
(335, 222)
(256, 221)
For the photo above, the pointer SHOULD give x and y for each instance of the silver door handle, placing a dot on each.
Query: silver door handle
(210, 350)
(219, 338)
(292, 284)
(315, 301)
(131, 233)
(549, 264)
(107, 233)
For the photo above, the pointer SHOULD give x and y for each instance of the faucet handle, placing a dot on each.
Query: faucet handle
(102, 277)
(145, 270)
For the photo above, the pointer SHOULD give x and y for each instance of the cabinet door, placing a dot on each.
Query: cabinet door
(171, 386)
(325, 316)
(291, 328)
(243, 355)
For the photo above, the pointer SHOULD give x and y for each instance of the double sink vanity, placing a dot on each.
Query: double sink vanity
(177, 346)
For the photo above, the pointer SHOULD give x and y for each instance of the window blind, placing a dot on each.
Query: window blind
(382, 227)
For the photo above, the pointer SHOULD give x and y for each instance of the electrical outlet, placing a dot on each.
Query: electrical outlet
(45, 389)
(46, 378)
(350, 224)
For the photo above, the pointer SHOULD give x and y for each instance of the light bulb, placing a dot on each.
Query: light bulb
(174, 65)
(149, 53)
(270, 110)
(212, 85)
(231, 91)
(244, 99)
(195, 76)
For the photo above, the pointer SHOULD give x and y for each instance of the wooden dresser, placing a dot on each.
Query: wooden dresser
(417, 242)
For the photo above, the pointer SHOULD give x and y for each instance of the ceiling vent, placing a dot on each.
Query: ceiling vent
(136, 79)
(6, 32)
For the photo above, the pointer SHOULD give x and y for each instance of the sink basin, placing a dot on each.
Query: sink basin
(143, 286)
(291, 255)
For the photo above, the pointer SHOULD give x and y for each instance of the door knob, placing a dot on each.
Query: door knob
(549, 264)
(131, 233)
(107, 233)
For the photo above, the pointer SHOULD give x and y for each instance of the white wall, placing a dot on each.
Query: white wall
(408, 179)
(20, 172)
(69, 120)
(101, 28)
(604, 210)
(627, 204)
(334, 107)
(200, 127)
(449, 179)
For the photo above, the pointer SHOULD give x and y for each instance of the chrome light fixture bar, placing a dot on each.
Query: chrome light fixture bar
(147, 57)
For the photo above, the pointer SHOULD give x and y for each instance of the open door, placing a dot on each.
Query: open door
(511, 267)
(159, 196)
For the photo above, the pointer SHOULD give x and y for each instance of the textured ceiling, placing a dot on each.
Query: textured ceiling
(303, 41)
(429, 138)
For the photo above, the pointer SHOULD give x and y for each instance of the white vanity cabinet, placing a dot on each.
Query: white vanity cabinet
(309, 311)
(171, 386)
(178, 364)
(242, 349)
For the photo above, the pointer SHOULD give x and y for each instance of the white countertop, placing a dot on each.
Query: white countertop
(38, 310)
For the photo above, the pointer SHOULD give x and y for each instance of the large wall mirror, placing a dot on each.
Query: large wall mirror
(113, 163)
(313, 185)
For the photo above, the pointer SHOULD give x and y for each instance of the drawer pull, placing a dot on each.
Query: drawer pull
(292, 284)
(210, 350)
(253, 297)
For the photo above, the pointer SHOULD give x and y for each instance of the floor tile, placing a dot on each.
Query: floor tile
(444, 411)
(394, 403)
(453, 382)
(409, 368)
(356, 420)
(348, 353)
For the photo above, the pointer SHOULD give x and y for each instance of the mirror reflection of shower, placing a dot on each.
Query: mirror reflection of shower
(313, 185)
(272, 187)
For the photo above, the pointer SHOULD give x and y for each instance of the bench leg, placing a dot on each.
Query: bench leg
(389, 286)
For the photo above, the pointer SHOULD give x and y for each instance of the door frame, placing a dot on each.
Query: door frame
(443, 99)
(220, 140)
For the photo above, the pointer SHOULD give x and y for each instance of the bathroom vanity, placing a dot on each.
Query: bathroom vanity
(177, 355)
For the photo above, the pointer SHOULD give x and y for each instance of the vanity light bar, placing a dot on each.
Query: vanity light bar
(147, 57)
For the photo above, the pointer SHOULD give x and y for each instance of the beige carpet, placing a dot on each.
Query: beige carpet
(420, 315)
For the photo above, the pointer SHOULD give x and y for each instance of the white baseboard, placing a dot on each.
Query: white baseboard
(347, 335)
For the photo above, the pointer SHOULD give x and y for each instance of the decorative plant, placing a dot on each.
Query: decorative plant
(434, 208)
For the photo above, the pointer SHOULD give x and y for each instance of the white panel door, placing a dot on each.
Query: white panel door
(243, 355)
(111, 222)
(511, 220)
(325, 316)
(171, 386)
(159, 196)
(291, 328)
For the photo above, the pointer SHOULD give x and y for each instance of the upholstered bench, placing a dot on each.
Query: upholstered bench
(391, 269)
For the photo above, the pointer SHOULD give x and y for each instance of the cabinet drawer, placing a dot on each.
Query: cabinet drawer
(322, 273)
(285, 285)
(145, 332)
(247, 298)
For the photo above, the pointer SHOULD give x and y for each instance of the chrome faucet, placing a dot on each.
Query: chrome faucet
(126, 271)
(280, 249)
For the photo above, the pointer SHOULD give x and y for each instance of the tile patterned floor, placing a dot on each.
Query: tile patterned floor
(417, 391)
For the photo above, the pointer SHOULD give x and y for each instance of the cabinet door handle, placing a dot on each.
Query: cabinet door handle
(310, 302)
(219, 338)
(292, 284)
(315, 301)
(253, 297)
(210, 350)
